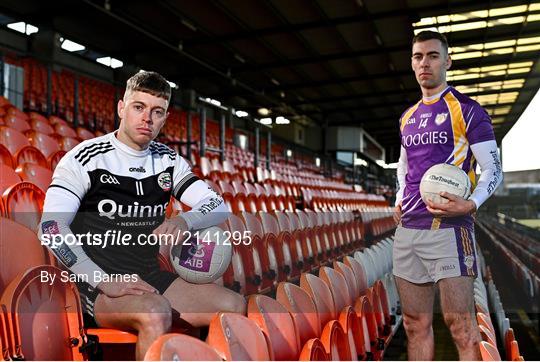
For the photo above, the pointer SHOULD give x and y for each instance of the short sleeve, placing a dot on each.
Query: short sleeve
(478, 123)
(182, 177)
(70, 175)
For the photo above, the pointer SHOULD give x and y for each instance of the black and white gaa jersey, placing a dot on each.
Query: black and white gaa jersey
(103, 187)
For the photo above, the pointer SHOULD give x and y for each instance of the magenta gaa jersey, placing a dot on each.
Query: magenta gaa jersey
(440, 131)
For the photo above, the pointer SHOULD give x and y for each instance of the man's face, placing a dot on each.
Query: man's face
(430, 62)
(142, 116)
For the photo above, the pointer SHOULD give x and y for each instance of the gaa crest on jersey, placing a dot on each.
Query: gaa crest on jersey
(164, 181)
(440, 118)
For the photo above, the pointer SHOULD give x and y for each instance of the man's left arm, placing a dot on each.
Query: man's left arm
(484, 149)
(490, 178)
(207, 206)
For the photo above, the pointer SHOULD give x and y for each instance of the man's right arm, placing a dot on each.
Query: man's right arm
(401, 174)
(70, 184)
(62, 201)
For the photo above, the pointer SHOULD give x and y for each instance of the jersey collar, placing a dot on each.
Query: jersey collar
(434, 98)
(125, 148)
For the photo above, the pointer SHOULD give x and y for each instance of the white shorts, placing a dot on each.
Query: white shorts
(427, 256)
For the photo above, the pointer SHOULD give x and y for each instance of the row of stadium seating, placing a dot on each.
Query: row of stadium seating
(527, 280)
(523, 246)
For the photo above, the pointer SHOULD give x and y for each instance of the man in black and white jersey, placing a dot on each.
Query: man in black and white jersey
(120, 184)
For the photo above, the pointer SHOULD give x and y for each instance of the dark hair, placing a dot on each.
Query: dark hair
(428, 35)
(149, 82)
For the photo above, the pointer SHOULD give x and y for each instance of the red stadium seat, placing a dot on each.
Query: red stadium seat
(5, 157)
(12, 139)
(12, 263)
(489, 352)
(265, 250)
(8, 177)
(17, 123)
(45, 318)
(180, 347)
(84, 134)
(35, 174)
(302, 309)
(46, 144)
(350, 278)
(65, 130)
(313, 350)
(277, 324)
(24, 204)
(31, 154)
(41, 126)
(359, 273)
(335, 342)
(282, 244)
(321, 296)
(67, 143)
(55, 158)
(237, 338)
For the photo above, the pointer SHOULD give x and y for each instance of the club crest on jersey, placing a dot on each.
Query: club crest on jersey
(440, 118)
(164, 181)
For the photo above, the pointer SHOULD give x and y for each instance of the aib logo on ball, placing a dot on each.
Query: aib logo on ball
(193, 255)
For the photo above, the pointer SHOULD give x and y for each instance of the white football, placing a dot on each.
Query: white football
(444, 177)
(203, 257)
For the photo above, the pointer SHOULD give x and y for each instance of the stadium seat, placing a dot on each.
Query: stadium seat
(45, 318)
(24, 203)
(359, 273)
(41, 126)
(35, 174)
(84, 134)
(67, 143)
(8, 177)
(313, 350)
(487, 335)
(65, 130)
(284, 256)
(335, 342)
(350, 278)
(12, 139)
(5, 157)
(17, 123)
(237, 338)
(11, 262)
(265, 251)
(31, 154)
(55, 158)
(46, 144)
(180, 347)
(321, 295)
(302, 309)
(276, 323)
(489, 352)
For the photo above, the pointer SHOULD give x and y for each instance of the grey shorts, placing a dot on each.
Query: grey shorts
(427, 256)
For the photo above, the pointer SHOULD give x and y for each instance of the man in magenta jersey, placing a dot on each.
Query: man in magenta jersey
(434, 244)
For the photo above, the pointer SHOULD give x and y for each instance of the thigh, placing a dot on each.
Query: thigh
(126, 312)
(416, 299)
(201, 298)
(457, 295)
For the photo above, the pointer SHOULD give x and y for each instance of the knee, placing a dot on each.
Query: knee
(155, 314)
(234, 303)
(463, 329)
(417, 326)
